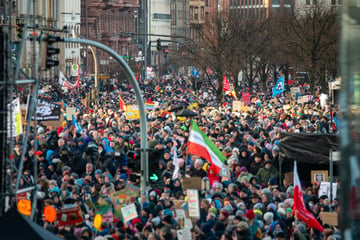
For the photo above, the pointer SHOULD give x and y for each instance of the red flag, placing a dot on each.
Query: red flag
(122, 103)
(299, 208)
(291, 82)
(226, 84)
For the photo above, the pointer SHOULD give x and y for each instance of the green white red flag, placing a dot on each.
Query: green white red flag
(299, 208)
(200, 145)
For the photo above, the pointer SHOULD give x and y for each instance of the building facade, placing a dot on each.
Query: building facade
(259, 8)
(108, 22)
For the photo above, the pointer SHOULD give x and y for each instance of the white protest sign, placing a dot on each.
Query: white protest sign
(129, 212)
(184, 234)
(180, 213)
(193, 202)
(325, 189)
(188, 223)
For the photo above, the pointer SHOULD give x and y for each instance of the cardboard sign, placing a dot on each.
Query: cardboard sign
(330, 218)
(193, 203)
(184, 234)
(132, 112)
(129, 212)
(289, 177)
(69, 216)
(237, 105)
(192, 183)
(246, 98)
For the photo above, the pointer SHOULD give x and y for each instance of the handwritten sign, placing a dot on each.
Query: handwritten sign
(129, 212)
(193, 202)
(330, 218)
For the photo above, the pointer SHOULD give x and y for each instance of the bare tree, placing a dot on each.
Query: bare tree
(309, 37)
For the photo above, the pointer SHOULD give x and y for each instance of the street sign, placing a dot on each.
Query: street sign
(195, 72)
(139, 59)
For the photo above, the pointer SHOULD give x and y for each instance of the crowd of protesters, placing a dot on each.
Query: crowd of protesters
(83, 168)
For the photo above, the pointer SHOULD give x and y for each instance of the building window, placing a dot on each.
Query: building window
(314, 2)
(307, 2)
(191, 12)
(339, 2)
(196, 13)
(160, 16)
(202, 13)
(333, 2)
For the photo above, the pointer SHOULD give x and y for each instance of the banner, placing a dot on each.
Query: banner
(74, 70)
(69, 216)
(45, 110)
(132, 112)
(14, 120)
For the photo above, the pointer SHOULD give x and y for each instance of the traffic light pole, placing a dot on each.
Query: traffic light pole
(140, 101)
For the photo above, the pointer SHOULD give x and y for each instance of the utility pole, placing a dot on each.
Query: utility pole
(3, 114)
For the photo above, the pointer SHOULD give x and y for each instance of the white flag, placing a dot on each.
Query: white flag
(62, 79)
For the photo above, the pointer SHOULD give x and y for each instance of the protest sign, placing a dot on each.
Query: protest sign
(237, 106)
(184, 234)
(193, 202)
(192, 183)
(14, 120)
(325, 189)
(295, 91)
(330, 218)
(69, 216)
(246, 98)
(132, 112)
(129, 212)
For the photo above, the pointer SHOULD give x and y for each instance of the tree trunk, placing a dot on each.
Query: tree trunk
(312, 81)
(264, 81)
(219, 92)
(323, 81)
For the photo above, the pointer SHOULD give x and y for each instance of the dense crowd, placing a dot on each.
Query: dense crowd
(86, 167)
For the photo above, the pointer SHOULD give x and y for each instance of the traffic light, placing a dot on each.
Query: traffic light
(158, 44)
(50, 51)
(19, 30)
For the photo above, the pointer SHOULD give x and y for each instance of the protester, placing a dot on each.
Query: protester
(94, 166)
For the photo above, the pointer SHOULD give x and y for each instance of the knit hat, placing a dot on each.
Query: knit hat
(225, 213)
(250, 214)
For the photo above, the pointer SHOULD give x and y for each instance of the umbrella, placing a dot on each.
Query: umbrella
(186, 113)
(176, 107)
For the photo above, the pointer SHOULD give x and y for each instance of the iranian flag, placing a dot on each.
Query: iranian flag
(299, 208)
(200, 145)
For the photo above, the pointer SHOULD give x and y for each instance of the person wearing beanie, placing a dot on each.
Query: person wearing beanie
(223, 217)
(267, 172)
(254, 225)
